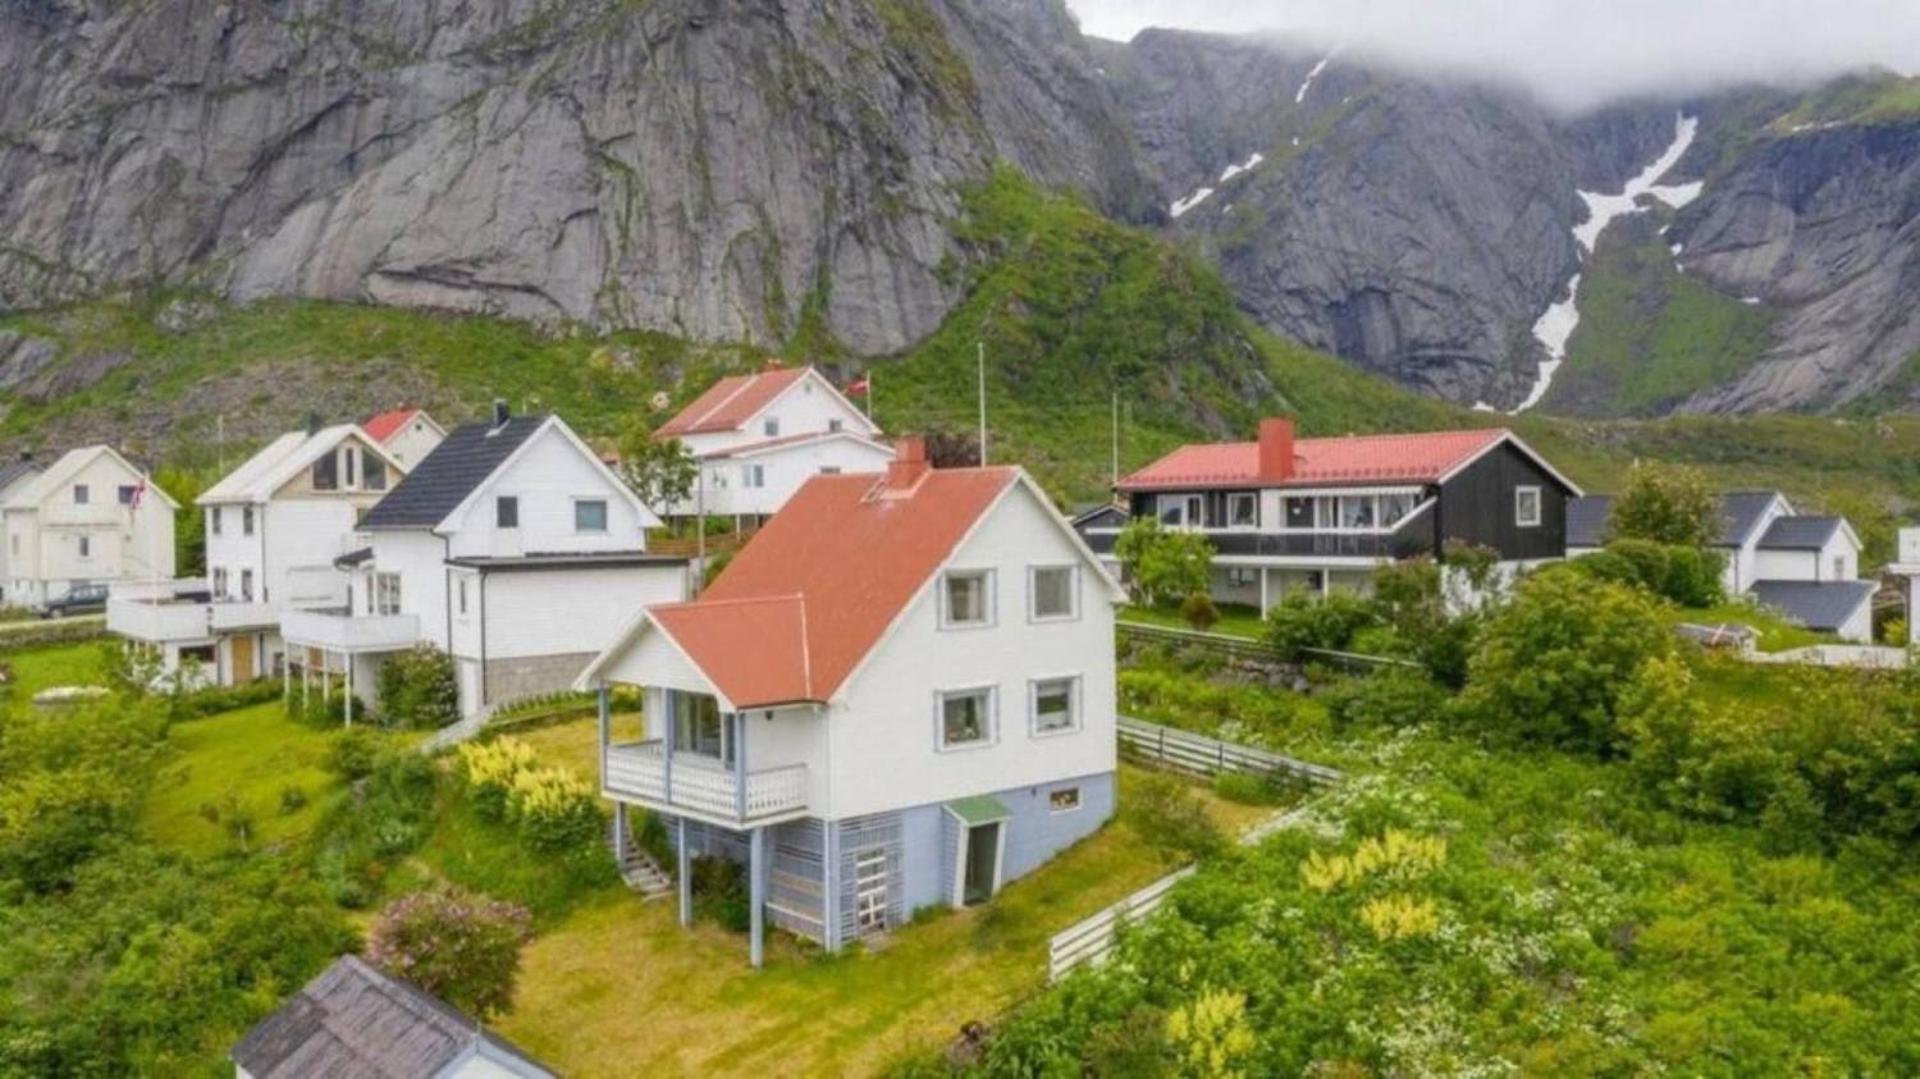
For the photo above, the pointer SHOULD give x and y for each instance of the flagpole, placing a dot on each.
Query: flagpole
(980, 353)
(1115, 460)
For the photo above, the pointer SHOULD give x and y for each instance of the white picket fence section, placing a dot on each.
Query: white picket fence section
(1090, 940)
(1201, 755)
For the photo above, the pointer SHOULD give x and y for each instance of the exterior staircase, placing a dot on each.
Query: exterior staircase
(638, 869)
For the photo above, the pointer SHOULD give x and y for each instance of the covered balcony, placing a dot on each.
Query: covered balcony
(159, 612)
(700, 785)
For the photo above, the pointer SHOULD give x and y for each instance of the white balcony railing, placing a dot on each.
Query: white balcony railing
(157, 620)
(227, 614)
(699, 784)
(309, 587)
(157, 590)
(340, 632)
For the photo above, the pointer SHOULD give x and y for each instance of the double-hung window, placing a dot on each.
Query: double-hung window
(246, 586)
(1052, 590)
(215, 518)
(386, 593)
(590, 515)
(753, 476)
(1056, 705)
(966, 598)
(966, 718)
(246, 520)
(1526, 507)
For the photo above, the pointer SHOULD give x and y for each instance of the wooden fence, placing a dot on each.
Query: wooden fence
(1201, 755)
(1230, 647)
(1090, 940)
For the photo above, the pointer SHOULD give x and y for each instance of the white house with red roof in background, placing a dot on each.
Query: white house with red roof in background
(407, 434)
(759, 437)
(1289, 514)
(899, 694)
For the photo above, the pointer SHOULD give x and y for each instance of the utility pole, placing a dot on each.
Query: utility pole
(980, 353)
(220, 439)
(700, 529)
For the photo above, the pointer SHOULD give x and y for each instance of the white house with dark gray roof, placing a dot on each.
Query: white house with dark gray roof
(512, 547)
(1806, 566)
(274, 526)
(357, 1020)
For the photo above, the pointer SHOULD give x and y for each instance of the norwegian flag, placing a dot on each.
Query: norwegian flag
(858, 387)
(139, 494)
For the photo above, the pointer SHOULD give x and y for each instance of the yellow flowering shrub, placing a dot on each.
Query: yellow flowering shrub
(1211, 1034)
(1396, 855)
(1400, 917)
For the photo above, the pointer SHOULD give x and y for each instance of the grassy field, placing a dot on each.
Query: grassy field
(1235, 620)
(45, 668)
(620, 983)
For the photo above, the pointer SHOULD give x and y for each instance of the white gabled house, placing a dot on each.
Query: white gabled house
(512, 547)
(759, 437)
(274, 526)
(900, 693)
(88, 518)
(408, 434)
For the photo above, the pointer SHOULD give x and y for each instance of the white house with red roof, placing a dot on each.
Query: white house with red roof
(899, 694)
(406, 433)
(1289, 514)
(759, 437)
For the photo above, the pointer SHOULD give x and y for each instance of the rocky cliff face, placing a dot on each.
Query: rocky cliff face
(711, 168)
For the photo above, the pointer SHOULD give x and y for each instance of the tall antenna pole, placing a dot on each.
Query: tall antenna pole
(1116, 438)
(220, 438)
(980, 353)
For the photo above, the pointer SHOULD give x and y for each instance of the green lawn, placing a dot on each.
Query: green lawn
(1776, 633)
(238, 764)
(44, 668)
(1235, 619)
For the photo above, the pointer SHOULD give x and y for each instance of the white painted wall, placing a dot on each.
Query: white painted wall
(883, 736)
(548, 477)
(556, 612)
(784, 469)
(418, 556)
(411, 444)
(123, 543)
(809, 405)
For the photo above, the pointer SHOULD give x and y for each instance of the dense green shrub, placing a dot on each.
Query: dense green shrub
(1666, 504)
(1302, 621)
(215, 700)
(70, 782)
(720, 891)
(382, 818)
(1246, 712)
(353, 753)
(1170, 816)
(1689, 576)
(1551, 665)
(556, 810)
(418, 689)
(1160, 566)
(1388, 699)
(1250, 788)
(1198, 611)
(462, 947)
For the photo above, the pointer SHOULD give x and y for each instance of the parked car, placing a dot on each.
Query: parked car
(82, 599)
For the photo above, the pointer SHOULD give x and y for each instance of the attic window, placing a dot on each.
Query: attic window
(81, 495)
(326, 473)
(506, 512)
(373, 473)
(772, 426)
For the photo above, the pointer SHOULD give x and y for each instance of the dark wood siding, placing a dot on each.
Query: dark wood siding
(1478, 506)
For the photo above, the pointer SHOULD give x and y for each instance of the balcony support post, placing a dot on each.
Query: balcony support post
(1264, 608)
(670, 707)
(757, 893)
(685, 873)
(348, 690)
(738, 721)
(603, 708)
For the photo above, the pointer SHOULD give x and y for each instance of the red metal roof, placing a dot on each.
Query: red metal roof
(729, 403)
(809, 596)
(1319, 462)
(387, 424)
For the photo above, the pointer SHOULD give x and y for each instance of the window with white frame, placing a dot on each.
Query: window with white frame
(246, 586)
(125, 494)
(374, 473)
(1064, 800)
(463, 594)
(215, 519)
(829, 470)
(835, 425)
(246, 520)
(966, 598)
(771, 427)
(1053, 592)
(386, 593)
(590, 515)
(1243, 509)
(1242, 576)
(351, 457)
(1056, 705)
(1526, 506)
(753, 476)
(966, 718)
(81, 495)
(220, 582)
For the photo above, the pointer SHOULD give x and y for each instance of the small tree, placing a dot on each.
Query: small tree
(1199, 611)
(1669, 504)
(418, 689)
(1553, 665)
(660, 471)
(1162, 566)
(460, 946)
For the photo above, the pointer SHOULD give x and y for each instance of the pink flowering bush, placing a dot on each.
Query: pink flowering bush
(458, 945)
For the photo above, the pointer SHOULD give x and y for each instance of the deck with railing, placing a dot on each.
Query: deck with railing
(697, 783)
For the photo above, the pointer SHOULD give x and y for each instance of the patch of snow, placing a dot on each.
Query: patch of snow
(1749, 300)
(1296, 140)
(1602, 209)
(1554, 328)
(1676, 249)
(1234, 170)
(1181, 206)
(1306, 84)
(1482, 406)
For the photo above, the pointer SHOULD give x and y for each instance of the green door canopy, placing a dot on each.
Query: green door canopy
(979, 809)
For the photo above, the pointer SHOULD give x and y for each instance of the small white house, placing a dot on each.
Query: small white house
(899, 694)
(89, 518)
(407, 434)
(1805, 566)
(759, 437)
(274, 527)
(512, 547)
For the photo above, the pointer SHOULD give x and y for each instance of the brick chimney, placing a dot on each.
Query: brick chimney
(1276, 449)
(909, 462)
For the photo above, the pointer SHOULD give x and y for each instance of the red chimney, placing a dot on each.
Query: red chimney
(909, 462)
(1276, 449)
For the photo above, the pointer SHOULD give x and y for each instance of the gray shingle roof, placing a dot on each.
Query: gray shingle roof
(445, 477)
(1823, 605)
(1799, 533)
(354, 1020)
(1587, 520)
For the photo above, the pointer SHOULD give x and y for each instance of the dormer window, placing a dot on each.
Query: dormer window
(374, 474)
(326, 473)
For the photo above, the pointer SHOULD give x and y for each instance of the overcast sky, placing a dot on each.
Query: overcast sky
(1574, 53)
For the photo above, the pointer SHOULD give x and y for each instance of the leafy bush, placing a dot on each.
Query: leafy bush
(490, 769)
(462, 947)
(217, 700)
(419, 690)
(1551, 666)
(1302, 621)
(555, 809)
(293, 799)
(1385, 700)
(1171, 817)
(54, 631)
(720, 890)
(70, 783)
(1689, 576)
(1198, 611)
(353, 753)
(1251, 713)
(1162, 566)
(1666, 504)
(383, 817)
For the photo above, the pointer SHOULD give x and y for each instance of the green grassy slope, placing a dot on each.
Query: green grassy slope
(1650, 336)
